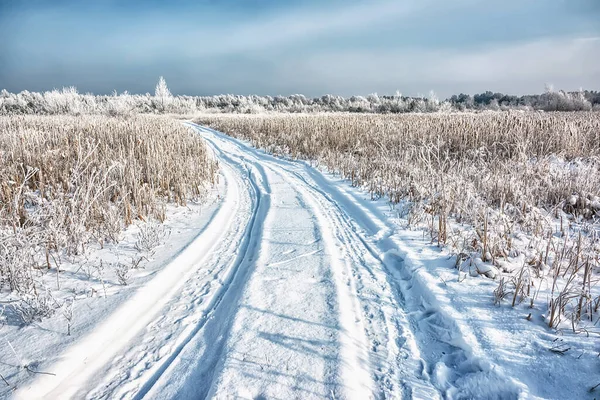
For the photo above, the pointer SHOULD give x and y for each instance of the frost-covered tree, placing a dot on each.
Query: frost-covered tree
(69, 101)
(560, 100)
(162, 94)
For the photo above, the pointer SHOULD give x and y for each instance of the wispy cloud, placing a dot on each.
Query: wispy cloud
(194, 38)
(519, 68)
(305, 25)
(312, 47)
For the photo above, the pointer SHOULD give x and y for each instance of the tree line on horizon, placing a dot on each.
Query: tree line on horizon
(70, 101)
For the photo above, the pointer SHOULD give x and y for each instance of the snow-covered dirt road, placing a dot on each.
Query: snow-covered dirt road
(296, 289)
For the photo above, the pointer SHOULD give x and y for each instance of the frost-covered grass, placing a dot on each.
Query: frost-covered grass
(70, 183)
(515, 195)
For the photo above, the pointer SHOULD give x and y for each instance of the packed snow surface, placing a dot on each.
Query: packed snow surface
(299, 287)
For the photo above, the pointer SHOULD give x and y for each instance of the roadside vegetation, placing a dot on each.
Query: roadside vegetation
(515, 196)
(69, 184)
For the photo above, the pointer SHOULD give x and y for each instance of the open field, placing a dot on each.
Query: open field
(372, 256)
(458, 162)
(516, 196)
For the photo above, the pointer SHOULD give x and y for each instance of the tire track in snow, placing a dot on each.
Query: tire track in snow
(395, 364)
(433, 355)
(352, 380)
(210, 320)
(446, 349)
(401, 371)
(208, 339)
(93, 352)
(136, 370)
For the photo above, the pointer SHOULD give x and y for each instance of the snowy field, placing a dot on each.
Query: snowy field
(289, 281)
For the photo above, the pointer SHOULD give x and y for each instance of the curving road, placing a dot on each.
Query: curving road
(294, 290)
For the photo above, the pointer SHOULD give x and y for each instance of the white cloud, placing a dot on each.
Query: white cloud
(293, 50)
(294, 26)
(518, 68)
(196, 38)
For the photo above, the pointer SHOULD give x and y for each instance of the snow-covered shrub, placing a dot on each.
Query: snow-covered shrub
(150, 236)
(120, 105)
(32, 307)
(122, 271)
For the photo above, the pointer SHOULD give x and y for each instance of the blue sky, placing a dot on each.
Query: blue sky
(311, 47)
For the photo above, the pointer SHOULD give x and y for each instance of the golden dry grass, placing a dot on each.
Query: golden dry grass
(67, 181)
(494, 158)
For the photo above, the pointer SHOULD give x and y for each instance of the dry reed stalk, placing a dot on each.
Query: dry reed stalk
(68, 181)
